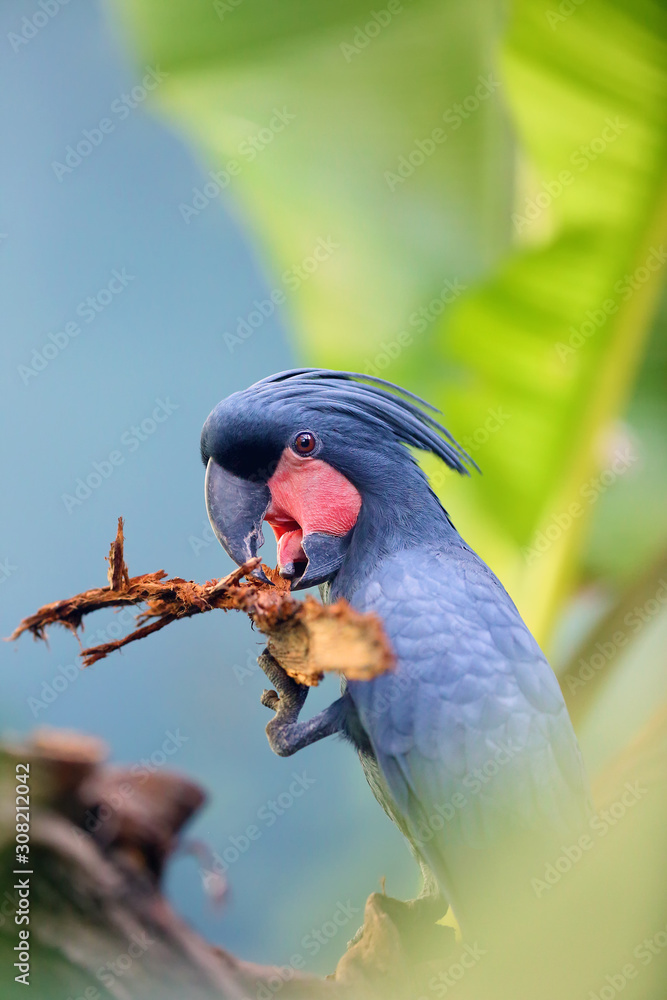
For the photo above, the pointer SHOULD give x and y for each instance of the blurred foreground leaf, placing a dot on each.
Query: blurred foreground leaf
(554, 340)
(361, 92)
(327, 112)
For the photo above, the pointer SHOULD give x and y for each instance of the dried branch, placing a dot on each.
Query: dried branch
(306, 637)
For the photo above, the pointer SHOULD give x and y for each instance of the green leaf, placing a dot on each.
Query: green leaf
(588, 93)
(556, 336)
(367, 90)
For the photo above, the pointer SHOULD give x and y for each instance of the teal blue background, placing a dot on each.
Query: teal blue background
(160, 338)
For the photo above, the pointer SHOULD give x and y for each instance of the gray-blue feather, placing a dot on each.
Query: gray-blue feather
(470, 734)
(467, 744)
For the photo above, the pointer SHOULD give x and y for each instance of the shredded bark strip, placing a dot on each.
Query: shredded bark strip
(307, 638)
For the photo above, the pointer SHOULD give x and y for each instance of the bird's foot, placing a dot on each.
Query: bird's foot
(270, 699)
(288, 698)
(283, 731)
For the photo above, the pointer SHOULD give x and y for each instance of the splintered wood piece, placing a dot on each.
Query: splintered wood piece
(311, 644)
(117, 574)
(306, 637)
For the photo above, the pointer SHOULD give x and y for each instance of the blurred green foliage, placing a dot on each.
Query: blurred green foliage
(558, 333)
(355, 115)
(490, 189)
(495, 183)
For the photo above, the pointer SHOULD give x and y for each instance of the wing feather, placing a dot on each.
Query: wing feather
(472, 714)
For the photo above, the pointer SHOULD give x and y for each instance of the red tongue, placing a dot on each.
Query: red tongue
(289, 548)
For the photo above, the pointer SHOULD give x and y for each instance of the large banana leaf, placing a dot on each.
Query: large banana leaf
(366, 89)
(534, 360)
(555, 337)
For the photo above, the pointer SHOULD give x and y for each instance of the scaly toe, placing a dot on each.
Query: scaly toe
(271, 699)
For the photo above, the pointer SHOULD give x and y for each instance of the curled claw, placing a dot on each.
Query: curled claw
(291, 694)
(270, 699)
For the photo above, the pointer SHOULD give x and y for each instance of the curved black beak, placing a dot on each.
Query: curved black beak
(325, 557)
(236, 508)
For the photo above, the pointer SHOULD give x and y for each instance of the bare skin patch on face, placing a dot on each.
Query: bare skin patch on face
(308, 495)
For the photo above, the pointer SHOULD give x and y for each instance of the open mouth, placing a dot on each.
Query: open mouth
(292, 560)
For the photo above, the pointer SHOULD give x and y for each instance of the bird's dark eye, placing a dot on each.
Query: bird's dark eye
(304, 443)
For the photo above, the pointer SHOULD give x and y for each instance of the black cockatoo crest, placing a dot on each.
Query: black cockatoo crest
(299, 450)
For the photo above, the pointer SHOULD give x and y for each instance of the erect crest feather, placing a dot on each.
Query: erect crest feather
(372, 400)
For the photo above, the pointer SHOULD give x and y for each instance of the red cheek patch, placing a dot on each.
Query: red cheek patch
(308, 495)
